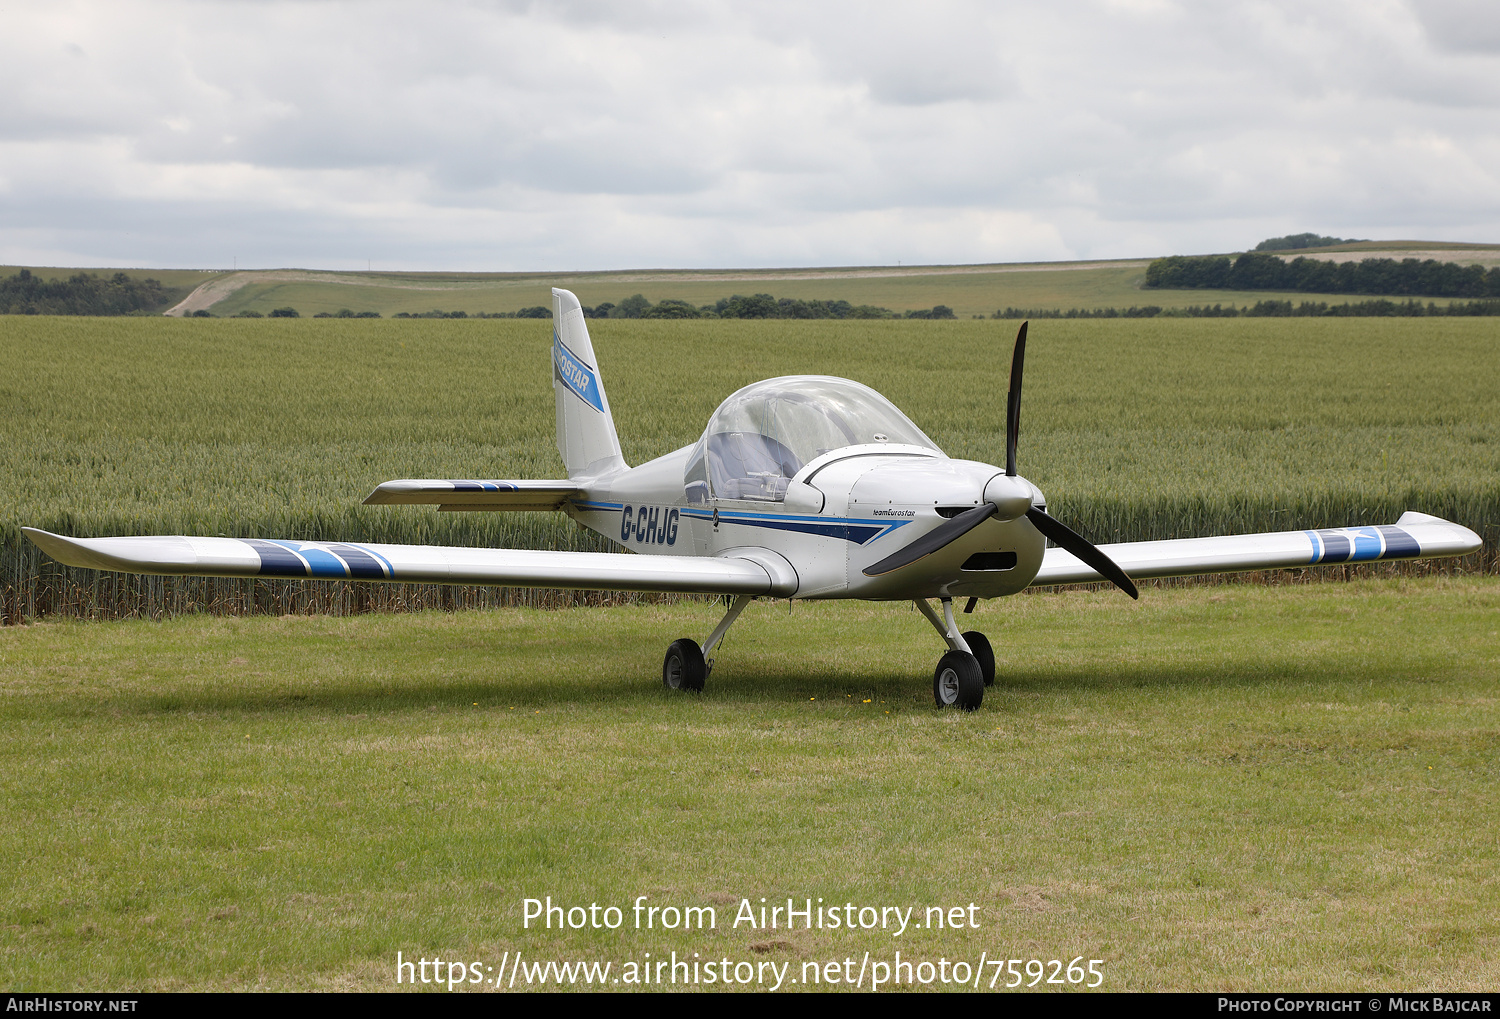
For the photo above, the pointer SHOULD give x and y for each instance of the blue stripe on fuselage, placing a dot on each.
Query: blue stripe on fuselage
(861, 532)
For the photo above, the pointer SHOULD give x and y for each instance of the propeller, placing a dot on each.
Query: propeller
(1088, 553)
(956, 527)
(1013, 401)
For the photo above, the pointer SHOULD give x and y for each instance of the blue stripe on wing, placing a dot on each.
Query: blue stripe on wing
(277, 561)
(334, 561)
(1361, 544)
(363, 564)
(1399, 544)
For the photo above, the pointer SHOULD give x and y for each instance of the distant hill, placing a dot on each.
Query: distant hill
(969, 290)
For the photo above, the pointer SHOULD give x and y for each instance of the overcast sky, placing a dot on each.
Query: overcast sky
(595, 135)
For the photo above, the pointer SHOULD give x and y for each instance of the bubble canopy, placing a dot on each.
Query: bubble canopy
(763, 434)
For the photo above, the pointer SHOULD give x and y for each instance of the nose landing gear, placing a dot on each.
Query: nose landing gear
(967, 668)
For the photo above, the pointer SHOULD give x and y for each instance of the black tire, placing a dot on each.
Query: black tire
(979, 644)
(957, 681)
(684, 668)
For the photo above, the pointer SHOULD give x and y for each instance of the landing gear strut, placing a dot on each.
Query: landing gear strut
(967, 668)
(687, 665)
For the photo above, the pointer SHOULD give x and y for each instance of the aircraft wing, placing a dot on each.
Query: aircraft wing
(457, 496)
(1414, 536)
(417, 564)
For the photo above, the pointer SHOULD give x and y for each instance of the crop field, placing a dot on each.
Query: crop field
(1135, 430)
(1236, 787)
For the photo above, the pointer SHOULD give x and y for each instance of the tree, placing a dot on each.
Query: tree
(633, 306)
(671, 308)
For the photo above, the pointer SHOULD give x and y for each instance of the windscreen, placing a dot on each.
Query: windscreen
(762, 435)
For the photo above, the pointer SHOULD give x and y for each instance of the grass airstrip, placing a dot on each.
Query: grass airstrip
(1243, 787)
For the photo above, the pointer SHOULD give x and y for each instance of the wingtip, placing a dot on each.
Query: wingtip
(60, 547)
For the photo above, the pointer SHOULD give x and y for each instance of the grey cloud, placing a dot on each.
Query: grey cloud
(1463, 26)
(733, 133)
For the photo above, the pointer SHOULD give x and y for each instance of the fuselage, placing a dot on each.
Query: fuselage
(836, 516)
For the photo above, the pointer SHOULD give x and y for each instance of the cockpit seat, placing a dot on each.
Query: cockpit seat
(748, 465)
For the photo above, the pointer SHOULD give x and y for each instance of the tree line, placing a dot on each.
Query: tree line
(80, 294)
(1256, 271)
(756, 306)
(637, 306)
(1272, 309)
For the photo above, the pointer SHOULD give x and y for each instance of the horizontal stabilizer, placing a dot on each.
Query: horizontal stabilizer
(416, 564)
(457, 496)
(1414, 536)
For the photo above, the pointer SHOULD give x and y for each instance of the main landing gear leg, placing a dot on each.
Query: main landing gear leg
(687, 665)
(961, 676)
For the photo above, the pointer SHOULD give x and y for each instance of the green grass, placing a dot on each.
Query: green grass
(1234, 788)
(1135, 430)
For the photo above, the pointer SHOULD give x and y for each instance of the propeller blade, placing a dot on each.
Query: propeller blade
(934, 540)
(1065, 537)
(1013, 401)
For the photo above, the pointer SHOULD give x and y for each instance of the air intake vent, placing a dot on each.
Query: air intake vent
(981, 562)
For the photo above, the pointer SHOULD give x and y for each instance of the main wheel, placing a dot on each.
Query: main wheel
(684, 668)
(957, 681)
(980, 645)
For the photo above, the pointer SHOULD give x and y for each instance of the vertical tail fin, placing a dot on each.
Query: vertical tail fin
(585, 428)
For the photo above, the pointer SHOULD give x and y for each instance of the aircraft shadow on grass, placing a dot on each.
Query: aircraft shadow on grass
(1031, 684)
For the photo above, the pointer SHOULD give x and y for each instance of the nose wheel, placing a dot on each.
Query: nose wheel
(957, 681)
(979, 647)
(967, 668)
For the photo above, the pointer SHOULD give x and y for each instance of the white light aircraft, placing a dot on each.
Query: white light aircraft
(804, 487)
